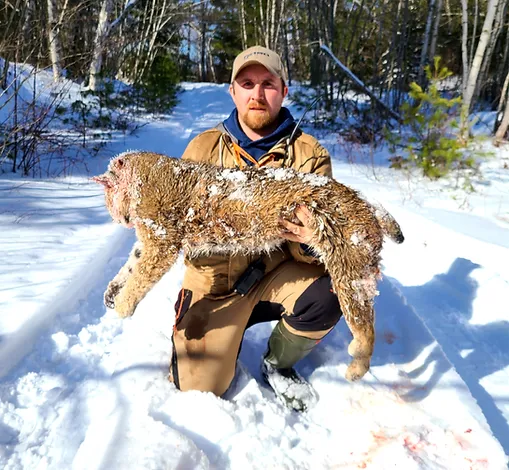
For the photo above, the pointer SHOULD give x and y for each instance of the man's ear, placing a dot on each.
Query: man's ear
(104, 179)
(231, 90)
(285, 91)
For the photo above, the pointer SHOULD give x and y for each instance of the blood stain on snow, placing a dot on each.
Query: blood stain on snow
(477, 464)
(389, 337)
(414, 443)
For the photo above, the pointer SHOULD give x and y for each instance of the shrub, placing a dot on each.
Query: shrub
(431, 119)
(158, 86)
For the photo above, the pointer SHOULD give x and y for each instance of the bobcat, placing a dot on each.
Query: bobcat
(202, 209)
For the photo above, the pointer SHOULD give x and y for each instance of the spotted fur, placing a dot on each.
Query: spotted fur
(204, 209)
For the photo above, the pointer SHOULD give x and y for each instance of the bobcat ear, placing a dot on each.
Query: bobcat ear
(104, 179)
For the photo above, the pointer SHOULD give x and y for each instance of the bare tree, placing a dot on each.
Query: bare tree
(502, 125)
(100, 36)
(55, 47)
(271, 13)
(464, 44)
(242, 19)
(426, 40)
(434, 35)
(469, 88)
(104, 28)
(495, 34)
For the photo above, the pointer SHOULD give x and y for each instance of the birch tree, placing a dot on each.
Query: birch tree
(473, 73)
(104, 28)
(503, 124)
(242, 20)
(55, 47)
(29, 15)
(100, 36)
(271, 14)
(495, 34)
(464, 45)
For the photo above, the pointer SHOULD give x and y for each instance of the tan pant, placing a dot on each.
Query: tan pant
(207, 336)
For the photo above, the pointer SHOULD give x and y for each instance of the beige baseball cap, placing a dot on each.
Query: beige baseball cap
(259, 55)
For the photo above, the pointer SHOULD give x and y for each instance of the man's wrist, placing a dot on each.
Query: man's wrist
(308, 250)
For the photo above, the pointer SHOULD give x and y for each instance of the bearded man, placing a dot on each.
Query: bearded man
(223, 295)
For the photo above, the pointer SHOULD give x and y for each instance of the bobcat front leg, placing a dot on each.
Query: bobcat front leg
(120, 279)
(155, 260)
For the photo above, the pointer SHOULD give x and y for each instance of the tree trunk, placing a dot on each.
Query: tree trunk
(286, 55)
(270, 15)
(464, 45)
(55, 48)
(434, 35)
(393, 46)
(474, 31)
(211, 61)
(27, 24)
(314, 62)
(143, 37)
(100, 36)
(104, 28)
(426, 41)
(476, 64)
(203, 51)
(243, 29)
(402, 53)
(497, 27)
(504, 123)
(503, 100)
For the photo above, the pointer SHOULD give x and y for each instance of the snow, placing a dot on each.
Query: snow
(82, 389)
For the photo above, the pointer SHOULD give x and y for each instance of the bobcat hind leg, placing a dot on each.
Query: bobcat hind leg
(360, 321)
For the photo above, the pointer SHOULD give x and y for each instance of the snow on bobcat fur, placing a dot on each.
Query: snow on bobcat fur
(204, 209)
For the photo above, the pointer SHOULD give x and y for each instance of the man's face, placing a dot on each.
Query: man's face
(258, 96)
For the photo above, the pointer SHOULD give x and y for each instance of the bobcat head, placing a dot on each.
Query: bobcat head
(117, 184)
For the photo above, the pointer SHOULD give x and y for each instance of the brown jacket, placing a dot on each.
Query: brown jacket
(216, 275)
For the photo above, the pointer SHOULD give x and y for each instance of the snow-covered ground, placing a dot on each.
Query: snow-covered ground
(82, 389)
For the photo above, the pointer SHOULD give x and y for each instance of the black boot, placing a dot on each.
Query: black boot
(285, 349)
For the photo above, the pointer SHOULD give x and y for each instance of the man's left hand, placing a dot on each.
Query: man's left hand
(299, 233)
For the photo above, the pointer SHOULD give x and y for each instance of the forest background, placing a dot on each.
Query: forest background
(367, 67)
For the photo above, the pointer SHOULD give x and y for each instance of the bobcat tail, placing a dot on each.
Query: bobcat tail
(388, 224)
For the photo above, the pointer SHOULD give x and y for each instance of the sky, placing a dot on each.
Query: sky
(81, 388)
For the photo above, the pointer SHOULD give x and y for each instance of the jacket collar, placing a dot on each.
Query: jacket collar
(258, 148)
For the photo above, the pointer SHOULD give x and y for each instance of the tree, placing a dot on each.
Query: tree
(104, 28)
(473, 73)
(55, 46)
(101, 34)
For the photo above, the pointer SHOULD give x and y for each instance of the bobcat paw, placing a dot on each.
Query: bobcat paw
(111, 293)
(356, 370)
(124, 306)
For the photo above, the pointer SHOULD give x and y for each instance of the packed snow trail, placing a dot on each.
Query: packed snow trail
(83, 389)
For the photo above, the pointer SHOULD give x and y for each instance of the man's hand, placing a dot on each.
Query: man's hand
(299, 233)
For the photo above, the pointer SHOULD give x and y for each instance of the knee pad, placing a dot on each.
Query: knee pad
(316, 309)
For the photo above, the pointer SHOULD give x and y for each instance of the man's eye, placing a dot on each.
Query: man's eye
(247, 84)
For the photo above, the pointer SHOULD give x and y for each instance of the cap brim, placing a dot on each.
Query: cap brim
(256, 62)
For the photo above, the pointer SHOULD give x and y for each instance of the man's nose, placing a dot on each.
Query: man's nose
(258, 93)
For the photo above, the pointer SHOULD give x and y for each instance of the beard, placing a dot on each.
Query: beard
(257, 120)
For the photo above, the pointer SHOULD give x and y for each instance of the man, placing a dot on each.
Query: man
(223, 295)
